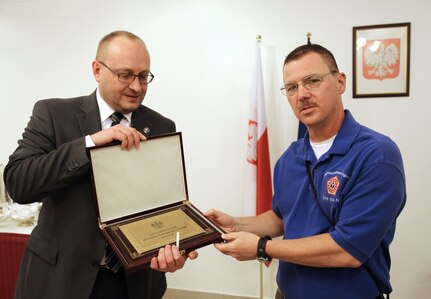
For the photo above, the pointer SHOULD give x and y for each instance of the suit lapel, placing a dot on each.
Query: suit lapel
(89, 117)
(141, 122)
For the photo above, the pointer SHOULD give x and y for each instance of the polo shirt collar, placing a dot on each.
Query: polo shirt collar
(342, 143)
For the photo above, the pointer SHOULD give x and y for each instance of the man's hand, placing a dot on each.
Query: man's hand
(224, 221)
(241, 245)
(129, 137)
(170, 259)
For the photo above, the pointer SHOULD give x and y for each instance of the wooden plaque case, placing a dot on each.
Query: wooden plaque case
(142, 200)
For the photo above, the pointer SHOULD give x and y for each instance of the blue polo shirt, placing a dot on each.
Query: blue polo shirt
(360, 185)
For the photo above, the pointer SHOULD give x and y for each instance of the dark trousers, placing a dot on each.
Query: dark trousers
(110, 285)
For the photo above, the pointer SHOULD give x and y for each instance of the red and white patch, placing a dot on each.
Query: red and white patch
(332, 185)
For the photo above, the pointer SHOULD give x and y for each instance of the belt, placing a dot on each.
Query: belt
(103, 268)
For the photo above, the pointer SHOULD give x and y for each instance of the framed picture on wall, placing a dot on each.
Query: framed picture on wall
(381, 60)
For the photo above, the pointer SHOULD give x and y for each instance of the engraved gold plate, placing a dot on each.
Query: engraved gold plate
(157, 231)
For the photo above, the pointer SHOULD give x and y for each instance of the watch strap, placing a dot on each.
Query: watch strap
(261, 249)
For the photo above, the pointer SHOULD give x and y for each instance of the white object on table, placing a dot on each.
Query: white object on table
(20, 219)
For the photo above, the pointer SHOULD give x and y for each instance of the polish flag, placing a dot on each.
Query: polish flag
(258, 193)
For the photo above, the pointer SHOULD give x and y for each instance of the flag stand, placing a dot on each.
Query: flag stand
(261, 279)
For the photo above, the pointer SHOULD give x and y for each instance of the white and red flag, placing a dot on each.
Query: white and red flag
(258, 193)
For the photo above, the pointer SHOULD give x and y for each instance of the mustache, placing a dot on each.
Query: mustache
(306, 104)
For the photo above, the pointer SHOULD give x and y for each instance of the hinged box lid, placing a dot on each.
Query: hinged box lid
(128, 182)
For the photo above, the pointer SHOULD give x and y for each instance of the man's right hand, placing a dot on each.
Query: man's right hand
(129, 137)
(225, 221)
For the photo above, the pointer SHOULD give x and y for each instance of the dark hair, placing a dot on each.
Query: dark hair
(313, 48)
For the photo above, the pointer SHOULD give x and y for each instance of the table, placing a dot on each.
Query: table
(13, 236)
(12, 226)
(12, 245)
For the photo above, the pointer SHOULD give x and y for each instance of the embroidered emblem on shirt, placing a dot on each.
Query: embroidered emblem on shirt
(332, 185)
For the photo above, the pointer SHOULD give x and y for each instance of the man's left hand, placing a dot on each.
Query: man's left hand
(239, 245)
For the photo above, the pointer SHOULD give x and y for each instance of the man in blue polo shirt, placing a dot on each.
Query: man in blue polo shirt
(337, 195)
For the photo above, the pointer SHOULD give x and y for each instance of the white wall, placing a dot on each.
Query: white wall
(202, 56)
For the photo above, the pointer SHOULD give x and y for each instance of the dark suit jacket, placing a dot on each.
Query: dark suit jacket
(65, 248)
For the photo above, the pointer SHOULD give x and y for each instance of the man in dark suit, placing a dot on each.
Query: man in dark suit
(65, 253)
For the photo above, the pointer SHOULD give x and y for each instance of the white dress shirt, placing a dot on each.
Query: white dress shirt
(105, 112)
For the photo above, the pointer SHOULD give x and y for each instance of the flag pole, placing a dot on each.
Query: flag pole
(259, 39)
(308, 38)
(261, 279)
(259, 191)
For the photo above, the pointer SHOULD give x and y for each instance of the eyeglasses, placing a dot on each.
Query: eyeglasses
(310, 82)
(144, 78)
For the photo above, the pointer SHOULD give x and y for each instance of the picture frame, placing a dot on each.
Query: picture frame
(381, 60)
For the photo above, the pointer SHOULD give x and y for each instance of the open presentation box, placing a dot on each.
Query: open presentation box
(142, 200)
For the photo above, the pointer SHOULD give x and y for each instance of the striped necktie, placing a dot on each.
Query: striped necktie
(116, 118)
(111, 261)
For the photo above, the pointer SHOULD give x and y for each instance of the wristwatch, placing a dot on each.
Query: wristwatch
(261, 252)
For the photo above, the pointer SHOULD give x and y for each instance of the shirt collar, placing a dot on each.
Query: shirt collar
(342, 143)
(346, 136)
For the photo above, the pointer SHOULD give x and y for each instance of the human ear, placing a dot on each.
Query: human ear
(96, 70)
(341, 79)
